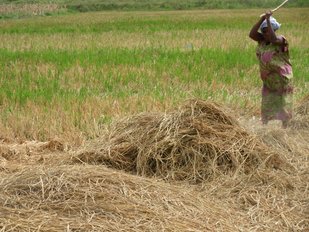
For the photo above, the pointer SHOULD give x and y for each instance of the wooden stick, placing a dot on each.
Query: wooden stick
(276, 7)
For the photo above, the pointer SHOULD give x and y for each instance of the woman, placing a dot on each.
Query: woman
(275, 70)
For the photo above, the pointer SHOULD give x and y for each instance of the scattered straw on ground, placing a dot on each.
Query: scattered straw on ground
(94, 198)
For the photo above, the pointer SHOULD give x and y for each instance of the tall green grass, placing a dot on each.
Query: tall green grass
(69, 76)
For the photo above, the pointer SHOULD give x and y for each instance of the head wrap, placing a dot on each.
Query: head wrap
(273, 22)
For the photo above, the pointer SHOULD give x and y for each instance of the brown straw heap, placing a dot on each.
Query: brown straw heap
(301, 117)
(196, 142)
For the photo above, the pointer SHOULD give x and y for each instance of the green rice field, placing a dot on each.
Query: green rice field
(70, 75)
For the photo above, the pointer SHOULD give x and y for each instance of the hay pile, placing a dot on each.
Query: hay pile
(16, 155)
(301, 117)
(284, 194)
(94, 198)
(196, 142)
(303, 106)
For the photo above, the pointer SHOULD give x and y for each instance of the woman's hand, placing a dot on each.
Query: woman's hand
(268, 14)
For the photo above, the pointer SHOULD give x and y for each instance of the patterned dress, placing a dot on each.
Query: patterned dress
(276, 74)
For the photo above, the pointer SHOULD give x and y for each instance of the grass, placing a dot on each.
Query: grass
(70, 75)
(42, 7)
(14, 9)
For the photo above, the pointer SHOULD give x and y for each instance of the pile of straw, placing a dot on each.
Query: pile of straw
(94, 198)
(16, 155)
(198, 141)
(303, 106)
(301, 117)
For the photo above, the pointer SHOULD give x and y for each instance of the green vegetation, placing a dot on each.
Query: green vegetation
(69, 75)
(22, 8)
(158, 4)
